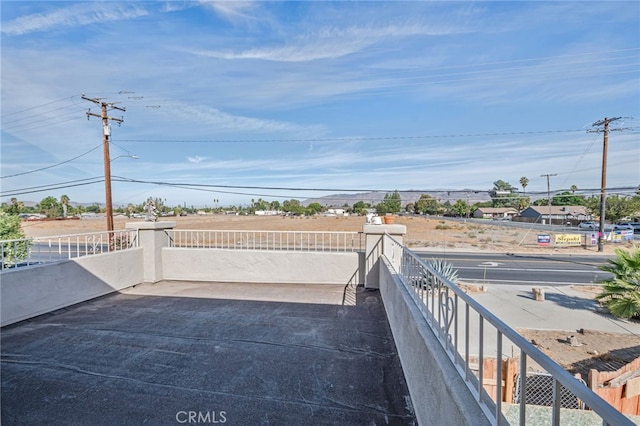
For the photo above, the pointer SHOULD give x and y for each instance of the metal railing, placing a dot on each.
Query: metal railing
(267, 240)
(471, 335)
(39, 250)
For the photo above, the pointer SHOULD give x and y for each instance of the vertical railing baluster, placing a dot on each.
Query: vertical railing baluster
(557, 396)
(499, 378)
(466, 342)
(440, 325)
(455, 329)
(523, 387)
(480, 356)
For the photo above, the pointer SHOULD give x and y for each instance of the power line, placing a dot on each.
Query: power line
(225, 189)
(58, 183)
(297, 189)
(53, 165)
(351, 139)
(38, 106)
(51, 187)
(39, 125)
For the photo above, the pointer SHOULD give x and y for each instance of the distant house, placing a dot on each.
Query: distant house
(336, 212)
(558, 214)
(494, 212)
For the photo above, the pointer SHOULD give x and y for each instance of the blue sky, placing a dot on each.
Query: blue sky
(259, 96)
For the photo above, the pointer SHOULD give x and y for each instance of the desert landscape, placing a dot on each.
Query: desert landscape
(425, 233)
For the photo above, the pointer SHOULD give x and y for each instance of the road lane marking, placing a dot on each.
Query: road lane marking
(490, 264)
(571, 271)
(522, 282)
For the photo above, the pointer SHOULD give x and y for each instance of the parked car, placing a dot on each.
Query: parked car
(623, 227)
(588, 225)
(636, 227)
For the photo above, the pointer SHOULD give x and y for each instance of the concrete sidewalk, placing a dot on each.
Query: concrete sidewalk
(564, 308)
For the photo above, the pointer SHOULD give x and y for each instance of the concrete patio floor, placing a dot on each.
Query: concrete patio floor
(188, 352)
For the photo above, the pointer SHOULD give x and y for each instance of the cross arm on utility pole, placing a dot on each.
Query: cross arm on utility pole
(98, 101)
(107, 117)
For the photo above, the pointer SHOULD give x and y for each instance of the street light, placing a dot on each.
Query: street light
(135, 157)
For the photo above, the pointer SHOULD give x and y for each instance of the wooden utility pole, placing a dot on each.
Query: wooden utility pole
(549, 196)
(603, 185)
(106, 132)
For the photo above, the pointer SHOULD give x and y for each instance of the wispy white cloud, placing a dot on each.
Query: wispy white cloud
(330, 43)
(197, 159)
(212, 118)
(232, 10)
(79, 14)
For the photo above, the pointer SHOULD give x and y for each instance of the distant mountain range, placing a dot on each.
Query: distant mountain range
(337, 200)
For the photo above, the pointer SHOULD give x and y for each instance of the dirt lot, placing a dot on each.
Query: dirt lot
(597, 350)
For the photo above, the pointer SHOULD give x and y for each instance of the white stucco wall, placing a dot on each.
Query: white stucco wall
(30, 291)
(437, 391)
(261, 266)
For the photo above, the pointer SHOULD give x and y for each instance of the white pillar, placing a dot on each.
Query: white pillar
(374, 248)
(152, 237)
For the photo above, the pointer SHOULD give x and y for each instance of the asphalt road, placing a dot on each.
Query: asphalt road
(43, 252)
(523, 269)
(539, 227)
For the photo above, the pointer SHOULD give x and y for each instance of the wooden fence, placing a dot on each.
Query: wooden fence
(489, 370)
(620, 388)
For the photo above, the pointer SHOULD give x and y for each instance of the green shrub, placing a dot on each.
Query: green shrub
(442, 225)
(11, 229)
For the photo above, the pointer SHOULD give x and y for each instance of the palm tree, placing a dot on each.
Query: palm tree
(524, 181)
(15, 207)
(64, 199)
(621, 294)
(573, 189)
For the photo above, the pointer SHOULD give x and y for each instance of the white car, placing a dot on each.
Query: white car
(588, 225)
